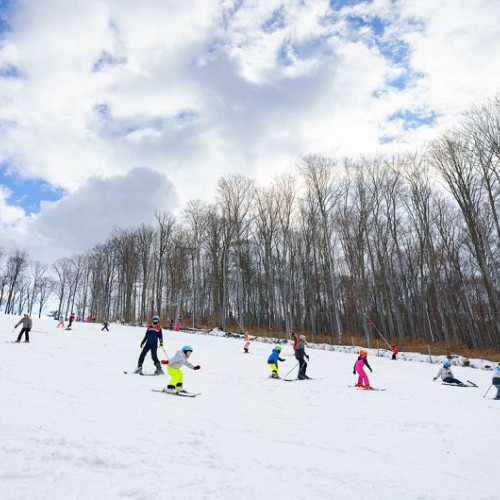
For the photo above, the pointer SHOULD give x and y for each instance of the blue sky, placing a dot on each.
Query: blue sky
(93, 92)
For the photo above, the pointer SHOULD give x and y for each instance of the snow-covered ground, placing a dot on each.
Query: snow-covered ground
(73, 426)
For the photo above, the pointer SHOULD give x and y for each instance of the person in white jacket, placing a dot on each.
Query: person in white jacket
(174, 369)
(496, 381)
(447, 375)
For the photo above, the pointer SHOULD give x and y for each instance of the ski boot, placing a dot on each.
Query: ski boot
(359, 385)
(275, 375)
(179, 388)
(368, 387)
(159, 370)
(138, 370)
(170, 389)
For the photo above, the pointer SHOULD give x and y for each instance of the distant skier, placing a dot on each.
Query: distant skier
(395, 352)
(295, 339)
(496, 381)
(447, 375)
(27, 326)
(177, 324)
(174, 369)
(301, 356)
(149, 343)
(105, 325)
(61, 321)
(246, 345)
(273, 359)
(359, 368)
(72, 318)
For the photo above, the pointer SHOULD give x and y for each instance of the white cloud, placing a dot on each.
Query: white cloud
(198, 89)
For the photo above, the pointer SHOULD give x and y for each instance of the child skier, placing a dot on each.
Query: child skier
(300, 354)
(27, 325)
(395, 352)
(447, 375)
(150, 341)
(496, 381)
(359, 368)
(273, 359)
(174, 369)
(246, 347)
(61, 321)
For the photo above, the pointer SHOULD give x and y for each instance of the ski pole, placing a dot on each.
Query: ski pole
(291, 370)
(165, 352)
(488, 390)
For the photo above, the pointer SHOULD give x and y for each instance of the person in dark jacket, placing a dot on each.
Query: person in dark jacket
(149, 343)
(27, 325)
(301, 356)
(105, 325)
(496, 381)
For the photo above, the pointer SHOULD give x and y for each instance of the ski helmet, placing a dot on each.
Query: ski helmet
(498, 369)
(187, 348)
(447, 364)
(277, 348)
(302, 337)
(362, 352)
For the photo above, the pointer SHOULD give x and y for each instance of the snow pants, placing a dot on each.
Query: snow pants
(154, 356)
(274, 369)
(496, 383)
(452, 380)
(176, 377)
(362, 376)
(26, 331)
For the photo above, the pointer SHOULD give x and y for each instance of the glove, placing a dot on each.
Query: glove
(307, 357)
(142, 346)
(197, 367)
(371, 371)
(435, 378)
(161, 344)
(354, 372)
(164, 361)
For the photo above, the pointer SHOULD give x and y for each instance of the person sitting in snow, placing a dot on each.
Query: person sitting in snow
(301, 356)
(359, 368)
(496, 381)
(447, 375)
(150, 341)
(174, 369)
(273, 359)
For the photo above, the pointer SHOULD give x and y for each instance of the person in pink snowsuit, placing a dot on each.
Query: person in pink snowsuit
(359, 368)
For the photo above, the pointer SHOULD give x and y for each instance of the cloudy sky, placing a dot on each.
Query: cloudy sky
(110, 109)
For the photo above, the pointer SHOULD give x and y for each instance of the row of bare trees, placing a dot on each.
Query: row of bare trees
(408, 246)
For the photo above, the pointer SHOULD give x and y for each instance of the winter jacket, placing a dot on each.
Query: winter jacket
(295, 338)
(361, 365)
(300, 352)
(153, 334)
(496, 377)
(444, 373)
(179, 360)
(27, 322)
(274, 357)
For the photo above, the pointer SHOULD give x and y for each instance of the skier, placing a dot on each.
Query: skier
(61, 321)
(105, 325)
(150, 343)
(359, 368)
(496, 381)
(27, 325)
(300, 354)
(273, 359)
(246, 346)
(447, 375)
(395, 352)
(177, 325)
(174, 369)
(295, 339)
(71, 319)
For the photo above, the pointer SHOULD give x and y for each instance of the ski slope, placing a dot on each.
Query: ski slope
(73, 426)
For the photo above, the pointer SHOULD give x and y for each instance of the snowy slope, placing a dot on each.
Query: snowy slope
(73, 426)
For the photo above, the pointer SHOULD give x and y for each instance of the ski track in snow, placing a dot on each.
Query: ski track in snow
(73, 426)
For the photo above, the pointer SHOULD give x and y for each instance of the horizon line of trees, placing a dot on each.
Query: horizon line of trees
(408, 246)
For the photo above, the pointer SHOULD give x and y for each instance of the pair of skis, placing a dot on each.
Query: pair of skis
(366, 388)
(469, 384)
(182, 394)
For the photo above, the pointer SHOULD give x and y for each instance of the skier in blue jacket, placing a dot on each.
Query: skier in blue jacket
(272, 361)
(150, 343)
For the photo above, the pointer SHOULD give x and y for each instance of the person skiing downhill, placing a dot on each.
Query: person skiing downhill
(300, 355)
(358, 368)
(150, 341)
(174, 369)
(496, 381)
(273, 359)
(61, 321)
(447, 375)
(395, 352)
(71, 319)
(105, 325)
(27, 325)
(246, 345)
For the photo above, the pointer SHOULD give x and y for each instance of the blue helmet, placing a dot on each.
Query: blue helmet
(447, 364)
(156, 318)
(187, 348)
(498, 368)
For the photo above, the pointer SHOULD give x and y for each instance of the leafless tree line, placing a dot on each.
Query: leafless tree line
(407, 246)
